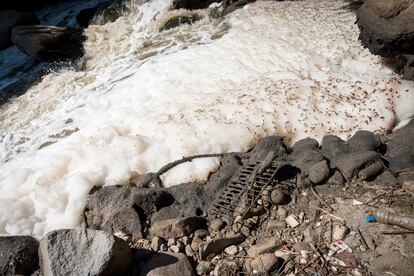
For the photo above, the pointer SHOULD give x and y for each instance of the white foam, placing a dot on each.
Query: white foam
(146, 98)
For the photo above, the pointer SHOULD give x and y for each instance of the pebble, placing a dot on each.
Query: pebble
(189, 251)
(292, 221)
(204, 267)
(217, 224)
(282, 213)
(264, 263)
(340, 232)
(186, 240)
(278, 196)
(163, 247)
(171, 242)
(180, 245)
(156, 243)
(231, 250)
(175, 249)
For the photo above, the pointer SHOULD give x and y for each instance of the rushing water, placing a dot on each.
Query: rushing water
(141, 98)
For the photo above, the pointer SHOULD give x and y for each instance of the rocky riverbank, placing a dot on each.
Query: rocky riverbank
(313, 215)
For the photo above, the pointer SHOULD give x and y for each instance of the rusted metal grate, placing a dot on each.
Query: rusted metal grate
(243, 190)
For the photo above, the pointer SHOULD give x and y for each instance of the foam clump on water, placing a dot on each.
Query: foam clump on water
(294, 69)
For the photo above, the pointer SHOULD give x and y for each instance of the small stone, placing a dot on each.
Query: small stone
(265, 263)
(163, 247)
(180, 245)
(204, 267)
(201, 233)
(171, 242)
(156, 243)
(226, 268)
(319, 172)
(189, 251)
(282, 213)
(217, 245)
(340, 232)
(195, 243)
(245, 231)
(278, 196)
(217, 224)
(292, 221)
(264, 246)
(274, 225)
(186, 240)
(175, 249)
(177, 227)
(231, 250)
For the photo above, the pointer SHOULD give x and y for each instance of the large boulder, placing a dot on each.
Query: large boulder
(49, 43)
(83, 252)
(126, 209)
(387, 29)
(10, 19)
(18, 255)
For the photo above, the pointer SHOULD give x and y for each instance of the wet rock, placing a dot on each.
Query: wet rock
(18, 255)
(83, 252)
(121, 208)
(11, 19)
(387, 29)
(278, 196)
(179, 20)
(265, 246)
(319, 172)
(191, 4)
(217, 245)
(340, 232)
(400, 153)
(265, 263)
(49, 43)
(176, 228)
(217, 224)
(167, 264)
(204, 268)
(392, 263)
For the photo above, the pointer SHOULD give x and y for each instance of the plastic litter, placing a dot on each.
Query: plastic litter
(337, 247)
(370, 218)
(394, 219)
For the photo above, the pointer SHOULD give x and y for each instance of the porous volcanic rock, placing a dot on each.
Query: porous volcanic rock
(18, 255)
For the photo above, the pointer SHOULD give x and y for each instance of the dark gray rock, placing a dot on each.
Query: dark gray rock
(387, 29)
(266, 145)
(333, 146)
(83, 252)
(217, 245)
(177, 227)
(11, 19)
(179, 20)
(319, 172)
(400, 144)
(18, 255)
(362, 165)
(167, 265)
(123, 208)
(364, 140)
(49, 43)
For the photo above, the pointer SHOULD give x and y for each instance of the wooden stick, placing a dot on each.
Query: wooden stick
(329, 214)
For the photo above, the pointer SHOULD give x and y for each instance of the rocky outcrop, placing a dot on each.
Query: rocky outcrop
(387, 29)
(49, 43)
(83, 252)
(18, 255)
(11, 19)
